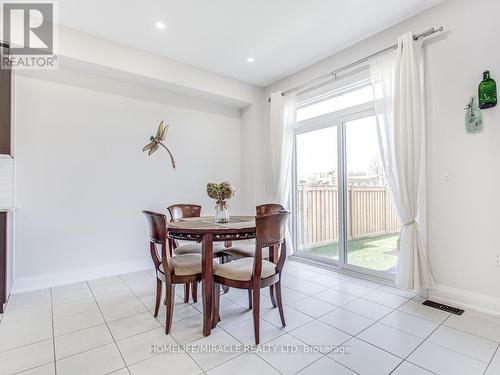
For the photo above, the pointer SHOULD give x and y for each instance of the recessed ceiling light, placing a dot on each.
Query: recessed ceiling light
(250, 60)
(160, 25)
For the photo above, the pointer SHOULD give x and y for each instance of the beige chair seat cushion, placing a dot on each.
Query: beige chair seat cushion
(242, 269)
(245, 251)
(195, 248)
(186, 264)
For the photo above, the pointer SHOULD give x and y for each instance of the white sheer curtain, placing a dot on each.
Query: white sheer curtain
(281, 142)
(398, 83)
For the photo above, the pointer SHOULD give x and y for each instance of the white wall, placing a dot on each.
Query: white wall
(82, 178)
(464, 212)
(178, 83)
(255, 157)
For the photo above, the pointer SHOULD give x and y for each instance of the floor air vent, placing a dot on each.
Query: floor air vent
(446, 308)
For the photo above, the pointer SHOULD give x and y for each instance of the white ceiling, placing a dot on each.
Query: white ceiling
(283, 36)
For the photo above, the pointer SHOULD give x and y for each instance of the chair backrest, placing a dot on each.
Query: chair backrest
(270, 232)
(269, 208)
(157, 225)
(270, 228)
(182, 211)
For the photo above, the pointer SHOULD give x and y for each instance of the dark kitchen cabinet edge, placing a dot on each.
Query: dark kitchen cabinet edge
(5, 108)
(3, 260)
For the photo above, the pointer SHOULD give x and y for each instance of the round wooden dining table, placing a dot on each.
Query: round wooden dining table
(205, 230)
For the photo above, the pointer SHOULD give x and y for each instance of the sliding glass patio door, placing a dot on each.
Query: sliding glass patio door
(371, 222)
(343, 211)
(316, 208)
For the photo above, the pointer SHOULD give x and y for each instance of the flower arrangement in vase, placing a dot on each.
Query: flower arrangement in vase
(221, 193)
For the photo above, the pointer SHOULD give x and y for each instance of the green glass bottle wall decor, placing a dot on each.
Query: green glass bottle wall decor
(487, 91)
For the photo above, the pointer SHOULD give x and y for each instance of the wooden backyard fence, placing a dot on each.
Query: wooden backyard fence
(370, 212)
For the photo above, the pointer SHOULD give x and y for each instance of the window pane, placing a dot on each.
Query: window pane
(317, 189)
(372, 223)
(336, 103)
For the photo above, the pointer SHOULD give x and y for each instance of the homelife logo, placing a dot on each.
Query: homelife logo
(29, 31)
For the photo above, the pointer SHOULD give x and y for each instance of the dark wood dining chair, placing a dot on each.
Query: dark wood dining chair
(170, 270)
(246, 250)
(183, 211)
(254, 273)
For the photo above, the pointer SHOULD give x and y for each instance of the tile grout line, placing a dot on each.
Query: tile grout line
(472, 334)
(53, 331)
(317, 319)
(129, 316)
(463, 354)
(343, 307)
(226, 361)
(362, 316)
(245, 352)
(397, 329)
(114, 371)
(306, 265)
(107, 326)
(31, 369)
(137, 334)
(85, 351)
(98, 325)
(301, 280)
(173, 338)
(453, 350)
(80, 329)
(74, 300)
(326, 356)
(419, 316)
(375, 322)
(342, 344)
(334, 288)
(53, 346)
(405, 359)
(424, 341)
(413, 364)
(23, 345)
(100, 346)
(36, 342)
(491, 360)
(6, 321)
(371, 325)
(285, 333)
(355, 336)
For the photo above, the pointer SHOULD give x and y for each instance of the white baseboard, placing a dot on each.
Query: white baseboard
(26, 284)
(466, 300)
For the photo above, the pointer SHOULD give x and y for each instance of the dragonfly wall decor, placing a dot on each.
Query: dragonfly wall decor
(157, 141)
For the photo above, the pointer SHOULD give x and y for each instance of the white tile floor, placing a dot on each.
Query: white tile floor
(336, 324)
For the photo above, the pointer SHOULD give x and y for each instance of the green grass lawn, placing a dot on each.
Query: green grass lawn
(376, 253)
